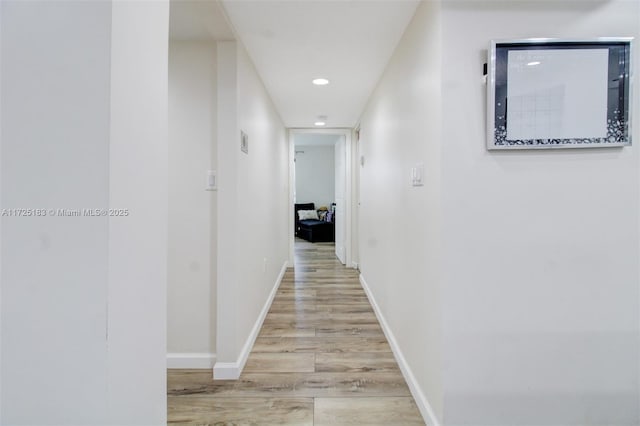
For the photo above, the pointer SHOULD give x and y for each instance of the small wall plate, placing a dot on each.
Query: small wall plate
(244, 142)
(212, 181)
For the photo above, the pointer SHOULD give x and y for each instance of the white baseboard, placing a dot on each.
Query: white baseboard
(354, 265)
(191, 360)
(425, 408)
(232, 370)
(226, 371)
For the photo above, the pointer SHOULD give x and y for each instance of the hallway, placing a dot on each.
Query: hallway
(321, 359)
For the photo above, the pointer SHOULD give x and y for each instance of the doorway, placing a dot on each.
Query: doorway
(340, 142)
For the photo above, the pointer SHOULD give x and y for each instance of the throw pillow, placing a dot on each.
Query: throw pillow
(307, 214)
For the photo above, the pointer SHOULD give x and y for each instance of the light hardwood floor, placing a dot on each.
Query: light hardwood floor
(321, 359)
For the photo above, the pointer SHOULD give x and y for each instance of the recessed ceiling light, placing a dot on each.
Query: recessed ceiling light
(320, 81)
(534, 63)
(320, 123)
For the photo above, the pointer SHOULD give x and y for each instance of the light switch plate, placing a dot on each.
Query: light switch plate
(417, 175)
(212, 181)
(244, 142)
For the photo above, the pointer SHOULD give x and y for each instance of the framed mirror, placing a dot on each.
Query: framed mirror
(550, 93)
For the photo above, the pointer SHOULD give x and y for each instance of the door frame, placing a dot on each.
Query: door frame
(347, 133)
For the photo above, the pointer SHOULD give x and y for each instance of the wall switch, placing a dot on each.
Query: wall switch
(417, 175)
(212, 181)
(244, 142)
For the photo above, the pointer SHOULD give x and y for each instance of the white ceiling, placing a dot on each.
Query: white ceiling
(292, 42)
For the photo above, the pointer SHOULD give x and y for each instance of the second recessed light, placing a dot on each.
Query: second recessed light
(320, 81)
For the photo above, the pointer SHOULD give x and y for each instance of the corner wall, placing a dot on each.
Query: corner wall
(192, 210)
(541, 247)
(84, 113)
(137, 303)
(509, 282)
(55, 111)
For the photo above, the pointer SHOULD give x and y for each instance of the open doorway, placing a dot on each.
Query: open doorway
(320, 176)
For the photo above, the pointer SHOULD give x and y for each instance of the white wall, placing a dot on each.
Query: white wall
(253, 188)
(340, 198)
(510, 280)
(315, 177)
(192, 223)
(355, 197)
(541, 248)
(399, 226)
(54, 269)
(83, 299)
(138, 246)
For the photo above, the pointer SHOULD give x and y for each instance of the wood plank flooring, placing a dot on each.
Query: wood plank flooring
(321, 359)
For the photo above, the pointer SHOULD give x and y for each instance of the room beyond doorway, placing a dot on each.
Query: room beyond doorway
(323, 159)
